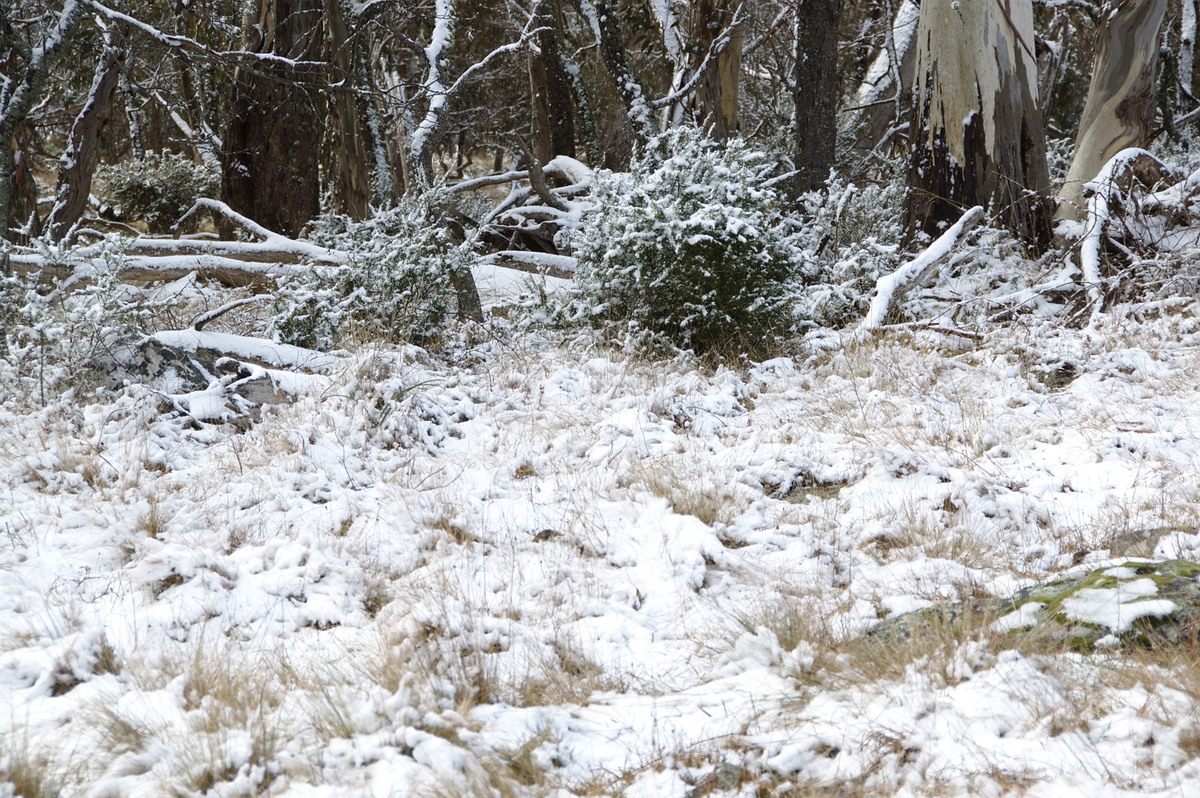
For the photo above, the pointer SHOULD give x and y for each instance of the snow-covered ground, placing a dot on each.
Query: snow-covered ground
(522, 567)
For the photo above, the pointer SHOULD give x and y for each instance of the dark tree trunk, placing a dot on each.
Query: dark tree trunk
(629, 88)
(978, 136)
(23, 199)
(815, 92)
(78, 162)
(551, 102)
(350, 178)
(18, 94)
(272, 144)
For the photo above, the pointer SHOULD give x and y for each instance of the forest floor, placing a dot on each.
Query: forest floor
(529, 566)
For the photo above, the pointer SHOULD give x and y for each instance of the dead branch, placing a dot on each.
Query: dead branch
(890, 287)
(212, 315)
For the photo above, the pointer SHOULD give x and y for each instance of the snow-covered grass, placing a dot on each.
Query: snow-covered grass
(527, 566)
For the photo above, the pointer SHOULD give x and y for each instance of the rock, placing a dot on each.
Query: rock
(1138, 602)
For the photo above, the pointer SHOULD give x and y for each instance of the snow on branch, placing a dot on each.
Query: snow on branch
(141, 270)
(255, 349)
(273, 243)
(1105, 189)
(184, 43)
(891, 285)
(245, 222)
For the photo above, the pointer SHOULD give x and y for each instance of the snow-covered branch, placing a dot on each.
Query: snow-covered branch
(176, 41)
(1105, 189)
(888, 287)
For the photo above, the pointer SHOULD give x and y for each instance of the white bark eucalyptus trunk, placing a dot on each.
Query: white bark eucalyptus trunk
(1120, 108)
(978, 137)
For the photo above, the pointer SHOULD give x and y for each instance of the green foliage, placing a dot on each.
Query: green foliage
(688, 251)
(158, 189)
(397, 287)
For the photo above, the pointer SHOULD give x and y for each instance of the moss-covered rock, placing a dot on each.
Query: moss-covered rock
(1138, 602)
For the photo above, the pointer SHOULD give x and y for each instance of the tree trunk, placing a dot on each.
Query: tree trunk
(271, 149)
(1187, 47)
(78, 162)
(424, 136)
(552, 123)
(716, 96)
(19, 91)
(887, 87)
(133, 115)
(350, 180)
(628, 87)
(815, 92)
(23, 198)
(978, 136)
(1120, 108)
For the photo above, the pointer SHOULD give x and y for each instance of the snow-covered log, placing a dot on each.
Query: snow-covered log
(141, 270)
(546, 263)
(258, 350)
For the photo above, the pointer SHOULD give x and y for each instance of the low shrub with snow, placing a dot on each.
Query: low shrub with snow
(687, 251)
(398, 286)
(848, 243)
(158, 189)
(61, 339)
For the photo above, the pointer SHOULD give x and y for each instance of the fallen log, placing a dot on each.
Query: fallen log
(142, 270)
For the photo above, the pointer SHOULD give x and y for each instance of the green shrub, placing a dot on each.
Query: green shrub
(397, 287)
(687, 251)
(158, 189)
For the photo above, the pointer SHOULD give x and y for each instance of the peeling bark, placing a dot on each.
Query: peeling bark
(714, 106)
(1120, 108)
(978, 134)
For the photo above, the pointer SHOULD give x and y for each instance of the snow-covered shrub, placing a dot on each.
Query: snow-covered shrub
(70, 339)
(158, 189)
(849, 240)
(687, 251)
(398, 286)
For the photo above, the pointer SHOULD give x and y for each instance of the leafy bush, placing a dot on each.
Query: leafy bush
(687, 251)
(398, 286)
(158, 189)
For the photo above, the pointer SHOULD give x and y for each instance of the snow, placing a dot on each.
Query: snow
(1118, 607)
(530, 550)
